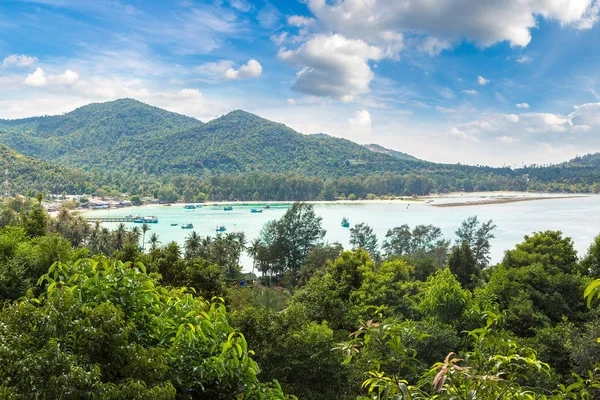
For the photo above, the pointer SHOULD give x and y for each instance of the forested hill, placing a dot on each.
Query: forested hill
(90, 136)
(394, 153)
(29, 176)
(128, 146)
(129, 135)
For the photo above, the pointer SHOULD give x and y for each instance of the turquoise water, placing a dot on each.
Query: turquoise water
(578, 218)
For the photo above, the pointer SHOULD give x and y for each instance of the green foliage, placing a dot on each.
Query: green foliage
(362, 237)
(463, 264)
(105, 329)
(444, 298)
(478, 236)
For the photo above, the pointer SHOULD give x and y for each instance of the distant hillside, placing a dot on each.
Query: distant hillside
(126, 135)
(398, 154)
(29, 176)
(129, 146)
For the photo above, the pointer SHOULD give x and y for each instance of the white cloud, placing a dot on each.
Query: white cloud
(470, 92)
(252, 69)
(36, 79)
(522, 105)
(279, 39)
(223, 69)
(291, 101)
(586, 115)
(39, 79)
(383, 22)
(16, 60)
(524, 59)
(333, 66)
(482, 81)
(68, 78)
(361, 123)
(300, 21)
(241, 5)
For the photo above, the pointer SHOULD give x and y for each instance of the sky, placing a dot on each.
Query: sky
(494, 82)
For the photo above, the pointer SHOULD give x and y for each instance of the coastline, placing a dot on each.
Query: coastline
(504, 200)
(465, 199)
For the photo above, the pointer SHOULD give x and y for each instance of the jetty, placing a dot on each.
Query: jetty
(110, 219)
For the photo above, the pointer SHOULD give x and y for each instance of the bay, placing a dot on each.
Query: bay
(578, 218)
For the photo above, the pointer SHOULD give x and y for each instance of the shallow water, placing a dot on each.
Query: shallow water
(578, 218)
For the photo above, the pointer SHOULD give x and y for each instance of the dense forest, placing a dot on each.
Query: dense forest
(126, 146)
(94, 313)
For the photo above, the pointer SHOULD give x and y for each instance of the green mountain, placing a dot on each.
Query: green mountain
(129, 135)
(394, 153)
(129, 146)
(29, 176)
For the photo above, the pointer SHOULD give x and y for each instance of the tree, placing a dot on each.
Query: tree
(462, 263)
(145, 228)
(478, 237)
(154, 242)
(398, 241)
(192, 245)
(85, 339)
(290, 239)
(362, 237)
(591, 262)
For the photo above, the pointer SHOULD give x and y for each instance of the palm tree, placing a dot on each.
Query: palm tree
(253, 250)
(192, 244)
(134, 235)
(120, 236)
(145, 228)
(154, 242)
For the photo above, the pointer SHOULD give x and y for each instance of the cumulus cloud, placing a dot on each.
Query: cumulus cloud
(384, 22)
(470, 92)
(224, 69)
(522, 105)
(482, 81)
(446, 109)
(36, 79)
(333, 66)
(16, 60)
(534, 127)
(252, 69)
(361, 123)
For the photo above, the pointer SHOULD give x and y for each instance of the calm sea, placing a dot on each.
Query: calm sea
(578, 218)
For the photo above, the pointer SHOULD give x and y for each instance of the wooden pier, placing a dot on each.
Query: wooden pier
(110, 219)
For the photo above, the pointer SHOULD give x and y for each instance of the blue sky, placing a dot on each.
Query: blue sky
(495, 82)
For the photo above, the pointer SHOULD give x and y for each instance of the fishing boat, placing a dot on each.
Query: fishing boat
(151, 219)
(187, 226)
(256, 210)
(138, 220)
(267, 206)
(345, 222)
(227, 208)
(174, 224)
(189, 207)
(221, 228)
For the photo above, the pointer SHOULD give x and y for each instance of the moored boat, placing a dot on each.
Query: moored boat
(189, 207)
(221, 228)
(345, 222)
(256, 210)
(187, 226)
(174, 224)
(227, 208)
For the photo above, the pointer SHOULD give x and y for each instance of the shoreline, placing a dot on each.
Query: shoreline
(505, 200)
(478, 199)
